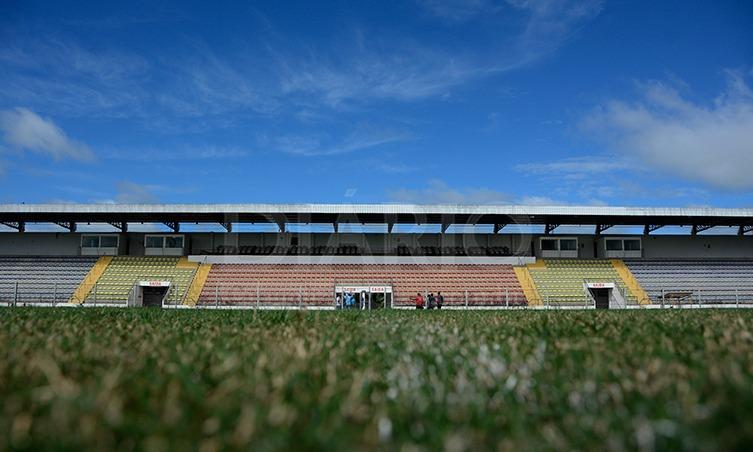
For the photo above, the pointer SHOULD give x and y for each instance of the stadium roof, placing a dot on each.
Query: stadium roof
(119, 215)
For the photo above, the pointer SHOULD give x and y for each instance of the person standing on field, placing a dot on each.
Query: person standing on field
(419, 301)
(440, 300)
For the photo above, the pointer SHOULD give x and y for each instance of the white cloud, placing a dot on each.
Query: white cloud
(539, 201)
(585, 179)
(359, 139)
(552, 22)
(389, 166)
(575, 168)
(459, 10)
(179, 153)
(275, 78)
(25, 130)
(64, 77)
(132, 193)
(205, 84)
(412, 73)
(60, 75)
(408, 71)
(711, 143)
(438, 192)
(68, 59)
(603, 179)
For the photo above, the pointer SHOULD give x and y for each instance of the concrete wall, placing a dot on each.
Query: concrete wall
(655, 246)
(38, 243)
(378, 260)
(709, 246)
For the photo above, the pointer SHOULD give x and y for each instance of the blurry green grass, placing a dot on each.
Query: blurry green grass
(213, 380)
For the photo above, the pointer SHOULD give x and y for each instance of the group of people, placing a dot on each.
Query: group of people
(348, 300)
(431, 302)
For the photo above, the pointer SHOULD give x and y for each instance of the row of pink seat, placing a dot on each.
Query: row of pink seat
(313, 284)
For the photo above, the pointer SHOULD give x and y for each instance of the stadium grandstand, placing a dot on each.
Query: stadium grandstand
(312, 255)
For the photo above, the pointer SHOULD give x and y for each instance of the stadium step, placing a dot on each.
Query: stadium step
(632, 284)
(539, 264)
(183, 262)
(529, 288)
(197, 285)
(91, 278)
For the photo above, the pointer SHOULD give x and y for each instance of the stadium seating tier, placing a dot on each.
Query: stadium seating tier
(291, 284)
(123, 272)
(41, 279)
(562, 280)
(694, 280)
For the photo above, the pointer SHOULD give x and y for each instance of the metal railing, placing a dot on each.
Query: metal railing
(23, 293)
(670, 297)
(248, 296)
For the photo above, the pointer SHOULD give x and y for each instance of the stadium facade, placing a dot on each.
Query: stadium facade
(476, 256)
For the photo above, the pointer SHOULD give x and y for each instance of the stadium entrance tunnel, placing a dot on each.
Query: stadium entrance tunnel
(364, 296)
(605, 295)
(601, 297)
(149, 294)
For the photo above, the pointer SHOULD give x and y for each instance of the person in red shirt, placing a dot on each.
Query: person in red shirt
(419, 301)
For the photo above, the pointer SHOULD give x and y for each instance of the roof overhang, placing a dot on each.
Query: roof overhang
(371, 214)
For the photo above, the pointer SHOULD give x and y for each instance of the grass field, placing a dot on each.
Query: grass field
(153, 379)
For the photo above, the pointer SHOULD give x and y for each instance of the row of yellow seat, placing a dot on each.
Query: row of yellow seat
(562, 280)
(123, 272)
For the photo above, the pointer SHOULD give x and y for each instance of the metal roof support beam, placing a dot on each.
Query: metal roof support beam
(390, 226)
(474, 219)
(280, 220)
(174, 225)
(700, 228)
(69, 225)
(444, 227)
(601, 228)
(744, 229)
(228, 226)
(649, 228)
(336, 227)
(498, 227)
(549, 228)
(123, 226)
(20, 226)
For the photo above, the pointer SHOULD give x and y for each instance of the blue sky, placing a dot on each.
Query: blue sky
(425, 101)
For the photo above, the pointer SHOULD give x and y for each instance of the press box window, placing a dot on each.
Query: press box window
(549, 245)
(90, 241)
(632, 245)
(99, 245)
(614, 245)
(108, 241)
(568, 244)
(154, 241)
(99, 241)
(174, 242)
